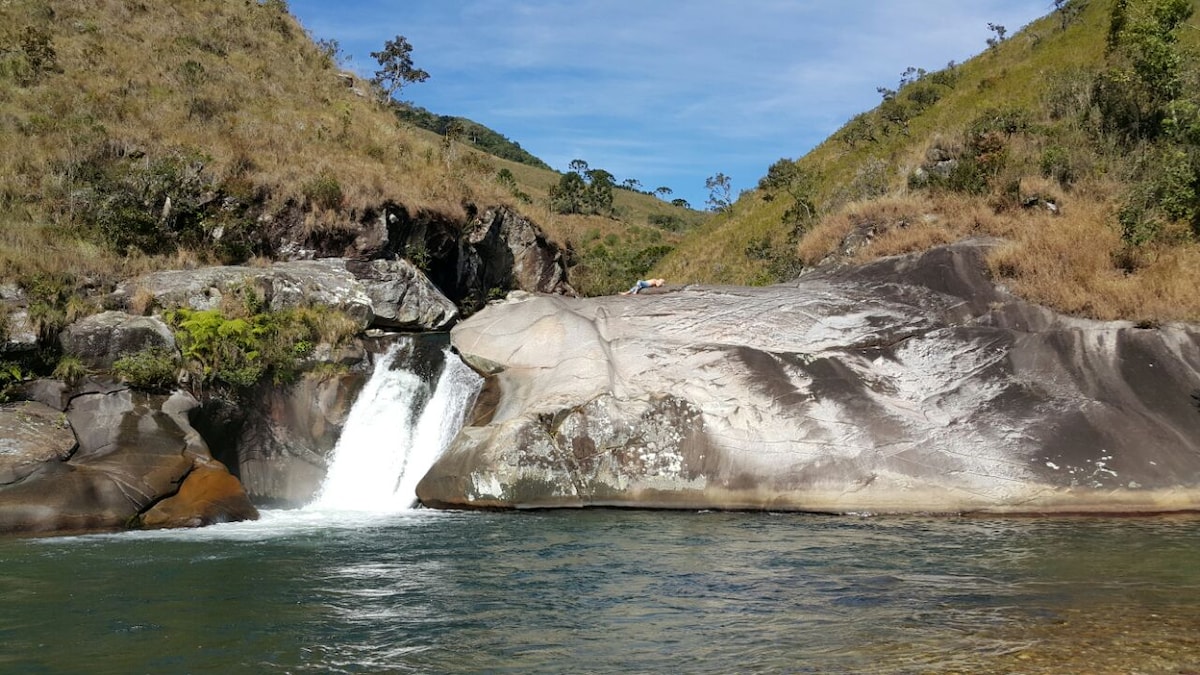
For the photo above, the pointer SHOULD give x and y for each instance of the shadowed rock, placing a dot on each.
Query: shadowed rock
(129, 451)
(911, 384)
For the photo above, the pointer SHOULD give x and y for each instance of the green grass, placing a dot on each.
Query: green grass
(1044, 75)
(229, 109)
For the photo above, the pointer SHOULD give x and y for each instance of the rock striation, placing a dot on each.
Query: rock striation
(911, 384)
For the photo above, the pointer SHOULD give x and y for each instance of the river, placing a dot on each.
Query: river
(605, 591)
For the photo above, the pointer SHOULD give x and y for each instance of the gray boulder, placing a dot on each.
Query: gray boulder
(909, 385)
(100, 339)
(402, 297)
(17, 332)
(31, 434)
(281, 286)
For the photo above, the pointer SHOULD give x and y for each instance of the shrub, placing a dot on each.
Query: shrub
(232, 354)
(11, 375)
(667, 221)
(70, 370)
(1056, 164)
(324, 191)
(153, 369)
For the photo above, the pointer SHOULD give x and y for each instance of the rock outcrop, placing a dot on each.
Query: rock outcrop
(128, 452)
(909, 385)
(502, 250)
(101, 339)
(280, 447)
(391, 294)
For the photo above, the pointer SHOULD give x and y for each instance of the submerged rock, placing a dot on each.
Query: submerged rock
(911, 384)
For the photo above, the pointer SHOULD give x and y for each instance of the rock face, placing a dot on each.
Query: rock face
(101, 339)
(908, 385)
(503, 250)
(281, 447)
(392, 294)
(129, 452)
(401, 295)
(282, 444)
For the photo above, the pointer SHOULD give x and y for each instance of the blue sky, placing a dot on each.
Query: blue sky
(665, 91)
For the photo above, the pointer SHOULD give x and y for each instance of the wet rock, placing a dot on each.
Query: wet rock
(131, 451)
(912, 384)
(209, 495)
(280, 447)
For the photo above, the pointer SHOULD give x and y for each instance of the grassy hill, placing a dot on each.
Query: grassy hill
(1077, 140)
(138, 135)
(469, 131)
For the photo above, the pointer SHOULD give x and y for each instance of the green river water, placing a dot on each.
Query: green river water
(608, 592)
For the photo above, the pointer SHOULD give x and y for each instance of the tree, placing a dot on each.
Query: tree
(578, 166)
(396, 66)
(568, 196)
(663, 191)
(599, 196)
(720, 192)
(1000, 32)
(1068, 11)
(681, 203)
(787, 176)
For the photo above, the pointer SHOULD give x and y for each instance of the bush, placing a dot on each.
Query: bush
(11, 375)
(70, 370)
(324, 191)
(668, 222)
(151, 205)
(232, 354)
(1056, 164)
(151, 369)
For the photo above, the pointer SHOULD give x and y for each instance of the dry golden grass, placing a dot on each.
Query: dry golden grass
(238, 82)
(1073, 261)
(1070, 261)
(241, 84)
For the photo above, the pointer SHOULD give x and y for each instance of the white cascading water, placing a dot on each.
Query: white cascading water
(387, 444)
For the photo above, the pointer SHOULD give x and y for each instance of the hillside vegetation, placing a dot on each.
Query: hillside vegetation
(1076, 140)
(139, 135)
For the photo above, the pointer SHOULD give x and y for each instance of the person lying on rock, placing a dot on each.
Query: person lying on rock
(644, 283)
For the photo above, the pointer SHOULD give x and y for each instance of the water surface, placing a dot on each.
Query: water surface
(608, 591)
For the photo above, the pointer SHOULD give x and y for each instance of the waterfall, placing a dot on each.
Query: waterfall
(395, 431)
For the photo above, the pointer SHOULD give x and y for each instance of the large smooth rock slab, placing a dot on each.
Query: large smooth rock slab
(909, 385)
